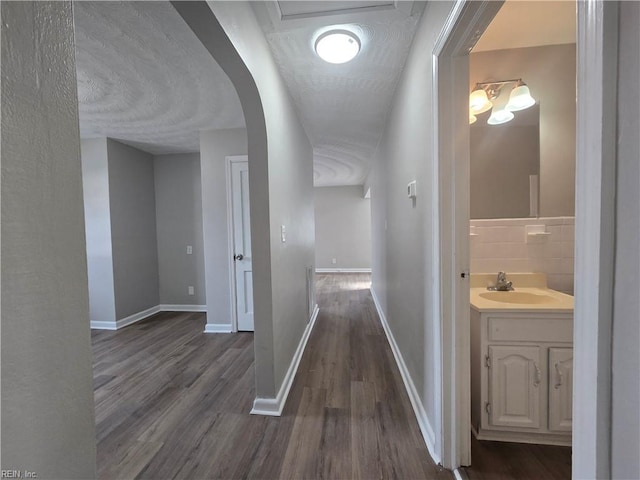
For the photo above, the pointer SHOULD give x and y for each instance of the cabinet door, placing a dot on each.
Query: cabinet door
(560, 389)
(514, 386)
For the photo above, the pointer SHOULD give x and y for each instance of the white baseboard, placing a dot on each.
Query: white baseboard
(96, 325)
(459, 474)
(183, 308)
(273, 406)
(343, 270)
(136, 317)
(423, 420)
(218, 328)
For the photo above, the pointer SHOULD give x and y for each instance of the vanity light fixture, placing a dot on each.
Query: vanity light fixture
(337, 46)
(498, 117)
(472, 118)
(480, 100)
(520, 98)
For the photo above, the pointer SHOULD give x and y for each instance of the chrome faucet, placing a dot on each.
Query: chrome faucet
(501, 283)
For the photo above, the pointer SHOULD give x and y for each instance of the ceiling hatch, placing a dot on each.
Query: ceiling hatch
(303, 9)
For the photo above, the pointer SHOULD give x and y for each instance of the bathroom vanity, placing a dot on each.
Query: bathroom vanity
(521, 361)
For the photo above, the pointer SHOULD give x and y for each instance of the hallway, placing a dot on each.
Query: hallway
(172, 402)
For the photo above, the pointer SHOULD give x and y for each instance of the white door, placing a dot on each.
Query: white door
(560, 389)
(242, 244)
(514, 386)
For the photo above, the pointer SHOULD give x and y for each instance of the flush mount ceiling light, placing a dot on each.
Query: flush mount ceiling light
(480, 100)
(337, 46)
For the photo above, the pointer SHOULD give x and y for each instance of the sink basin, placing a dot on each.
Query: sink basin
(525, 298)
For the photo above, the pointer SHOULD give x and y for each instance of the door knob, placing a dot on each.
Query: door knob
(238, 257)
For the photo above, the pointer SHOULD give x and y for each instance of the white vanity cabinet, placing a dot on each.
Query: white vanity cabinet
(521, 375)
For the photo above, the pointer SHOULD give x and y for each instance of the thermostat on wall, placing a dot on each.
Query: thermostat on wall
(411, 189)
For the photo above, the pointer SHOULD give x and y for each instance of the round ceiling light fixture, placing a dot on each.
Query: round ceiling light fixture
(337, 46)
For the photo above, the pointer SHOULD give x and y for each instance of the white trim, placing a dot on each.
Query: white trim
(450, 211)
(459, 474)
(273, 406)
(97, 325)
(423, 420)
(218, 328)
(597, 79)
(343, 270)
(136, 317)
(230, 237)
(182, 308)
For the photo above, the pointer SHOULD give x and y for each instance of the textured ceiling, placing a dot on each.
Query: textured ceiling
(145, 79)
(342, 107)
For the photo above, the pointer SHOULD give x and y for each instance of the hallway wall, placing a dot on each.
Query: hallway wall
(403, 255)
(47, 382)
(281, 185)
(343, 228)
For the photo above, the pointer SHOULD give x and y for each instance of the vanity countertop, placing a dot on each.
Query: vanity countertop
(530, 293)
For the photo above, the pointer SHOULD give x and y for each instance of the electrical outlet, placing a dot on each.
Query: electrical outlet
(283, 233)
(334, 261)
(189, 249)
(191, 290)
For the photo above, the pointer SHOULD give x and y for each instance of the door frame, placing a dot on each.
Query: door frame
(597, 22)
(229, 161)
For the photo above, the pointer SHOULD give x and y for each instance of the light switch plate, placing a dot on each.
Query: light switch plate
(189, 249)
(411, 189)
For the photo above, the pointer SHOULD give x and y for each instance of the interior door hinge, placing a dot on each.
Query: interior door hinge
(487, 361)
(487, 408)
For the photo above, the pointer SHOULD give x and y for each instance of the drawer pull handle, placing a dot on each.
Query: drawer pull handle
(538, 378)
(558, 376)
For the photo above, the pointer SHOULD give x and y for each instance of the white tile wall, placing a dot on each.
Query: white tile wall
(501, 245)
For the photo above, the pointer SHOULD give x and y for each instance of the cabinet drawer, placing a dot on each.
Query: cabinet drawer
(531, 329)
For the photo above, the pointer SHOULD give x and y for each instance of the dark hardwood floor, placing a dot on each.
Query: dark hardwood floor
(172, 402)
(506, 461)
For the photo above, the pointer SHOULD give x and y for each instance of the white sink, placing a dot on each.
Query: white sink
(522, 298)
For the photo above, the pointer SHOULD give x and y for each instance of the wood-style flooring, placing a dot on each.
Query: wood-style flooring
(522, 461)
(173, 402)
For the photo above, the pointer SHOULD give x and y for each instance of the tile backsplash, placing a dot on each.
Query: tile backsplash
(543, 245)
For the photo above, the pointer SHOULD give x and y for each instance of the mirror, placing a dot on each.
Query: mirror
(503, 157)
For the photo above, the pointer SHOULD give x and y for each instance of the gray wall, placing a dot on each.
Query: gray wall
(626, 327)
(550, 73)
(402, 255)
(97, 217)
(215, 146)
(179, 223)
(47, 384)
(133, 229)
(343, 227)
(280, 181)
